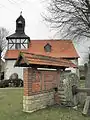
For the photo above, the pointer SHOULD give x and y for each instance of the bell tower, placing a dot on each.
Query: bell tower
(20, 24)
(19, 40)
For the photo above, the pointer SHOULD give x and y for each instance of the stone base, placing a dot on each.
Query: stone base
(36, 102)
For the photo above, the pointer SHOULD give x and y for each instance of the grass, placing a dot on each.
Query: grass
(82, 83)
(11, 109)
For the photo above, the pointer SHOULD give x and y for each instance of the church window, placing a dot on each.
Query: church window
(47, 47)
(19, 24)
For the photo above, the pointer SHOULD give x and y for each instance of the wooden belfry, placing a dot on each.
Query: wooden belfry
(19, 40)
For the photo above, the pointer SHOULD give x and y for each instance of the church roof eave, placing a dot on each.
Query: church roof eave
(18, 36)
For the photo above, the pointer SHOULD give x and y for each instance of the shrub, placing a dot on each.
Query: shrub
(1, 84)
(16, 83)
(11, 83)
(4, 83)
(20, 81)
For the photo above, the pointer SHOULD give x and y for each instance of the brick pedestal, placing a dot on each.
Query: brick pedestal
(39, 89)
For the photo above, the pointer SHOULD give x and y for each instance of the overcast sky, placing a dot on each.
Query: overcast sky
(31, 11)
(35, 27)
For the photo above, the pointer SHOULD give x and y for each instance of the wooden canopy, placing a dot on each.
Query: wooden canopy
(26, 59)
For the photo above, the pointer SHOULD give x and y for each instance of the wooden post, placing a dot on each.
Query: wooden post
(86, 106)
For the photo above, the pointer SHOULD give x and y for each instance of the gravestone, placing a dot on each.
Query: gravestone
(87, 85)
(69, 89)
(65, 90)
(13, 80)
(14, 76)
(85, 90)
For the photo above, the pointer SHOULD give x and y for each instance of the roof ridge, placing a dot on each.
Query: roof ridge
(51, 39)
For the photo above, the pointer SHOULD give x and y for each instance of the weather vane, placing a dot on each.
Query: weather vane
(21, 13)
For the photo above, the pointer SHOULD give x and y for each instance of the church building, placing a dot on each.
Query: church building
(20, 42)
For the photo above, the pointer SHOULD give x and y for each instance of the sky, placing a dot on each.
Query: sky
(35, 27)
(31, 11)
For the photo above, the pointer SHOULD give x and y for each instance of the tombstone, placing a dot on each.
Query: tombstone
(87, 85)
(14, 76)
(66, 95)
(13, 80)
(69, 89)
(86, 90)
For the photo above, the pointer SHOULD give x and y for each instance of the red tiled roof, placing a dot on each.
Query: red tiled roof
(59, 49)
(34, 59)
(13, 54)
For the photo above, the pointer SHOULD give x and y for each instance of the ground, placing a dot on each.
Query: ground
(11, 109)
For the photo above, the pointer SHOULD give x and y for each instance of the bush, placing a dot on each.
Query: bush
(4, 83)
(11, 83)
(16, 83)
(1, 84)
(21, 82)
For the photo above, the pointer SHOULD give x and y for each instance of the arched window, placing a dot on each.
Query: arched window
(19, 24)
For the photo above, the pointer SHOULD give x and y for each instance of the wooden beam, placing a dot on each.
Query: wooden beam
(83, 90)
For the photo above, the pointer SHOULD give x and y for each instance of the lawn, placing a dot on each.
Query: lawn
(82, 83)
(11, 109)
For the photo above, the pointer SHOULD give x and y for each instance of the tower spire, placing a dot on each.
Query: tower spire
(19, 38)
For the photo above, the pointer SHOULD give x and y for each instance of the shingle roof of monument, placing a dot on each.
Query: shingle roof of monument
(36, 59)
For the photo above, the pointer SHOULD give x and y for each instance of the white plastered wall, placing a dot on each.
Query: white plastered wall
(75, 70)
(10, 69)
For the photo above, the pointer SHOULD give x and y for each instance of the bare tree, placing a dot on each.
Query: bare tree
(3, 43)
(69, 17)
(3, 34)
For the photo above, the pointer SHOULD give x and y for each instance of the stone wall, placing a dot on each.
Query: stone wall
(36, 102)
